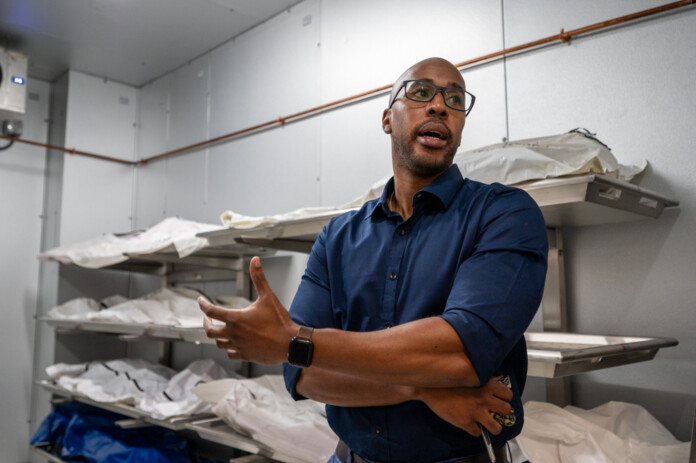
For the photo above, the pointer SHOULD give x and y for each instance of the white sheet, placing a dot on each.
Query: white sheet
(109, 249)
(263, 409)
(615, 432)
(177, 307)
(157, 390)
(510, 163)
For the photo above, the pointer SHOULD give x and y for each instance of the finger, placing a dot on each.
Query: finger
(499, 406)
(227, 344)
(214, 311)
(259, 278)
(503, 392)
(490, 424)
(211, 330)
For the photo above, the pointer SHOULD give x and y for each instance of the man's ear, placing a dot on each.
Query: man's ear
(386, 121)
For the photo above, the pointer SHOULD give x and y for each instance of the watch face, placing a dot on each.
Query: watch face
(300, 352)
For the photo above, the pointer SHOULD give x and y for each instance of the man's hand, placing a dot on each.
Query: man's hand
(259, 333)
(466, 407)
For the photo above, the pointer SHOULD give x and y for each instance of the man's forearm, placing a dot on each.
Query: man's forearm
(423, 353)
(344, 390)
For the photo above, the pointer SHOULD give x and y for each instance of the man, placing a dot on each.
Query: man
(416, 300)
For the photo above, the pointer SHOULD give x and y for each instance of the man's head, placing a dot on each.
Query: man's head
(426, 134)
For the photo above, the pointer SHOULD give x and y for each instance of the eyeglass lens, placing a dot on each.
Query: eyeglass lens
(455, 98)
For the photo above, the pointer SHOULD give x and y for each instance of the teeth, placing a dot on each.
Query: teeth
(433, 135)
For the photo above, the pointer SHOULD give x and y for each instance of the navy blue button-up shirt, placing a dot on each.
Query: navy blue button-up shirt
(471, 253)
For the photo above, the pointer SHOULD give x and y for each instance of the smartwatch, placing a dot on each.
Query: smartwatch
(301, 349)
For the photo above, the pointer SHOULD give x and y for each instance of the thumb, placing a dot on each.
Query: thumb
(258, 278)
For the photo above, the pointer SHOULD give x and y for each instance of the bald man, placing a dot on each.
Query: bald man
(412, 308)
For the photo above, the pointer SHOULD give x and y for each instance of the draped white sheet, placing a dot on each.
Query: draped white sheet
(263, 409)
(157, 390)
(110, 249)
(510, 163)
(616, 432)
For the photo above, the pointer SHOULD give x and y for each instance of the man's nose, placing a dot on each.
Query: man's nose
(436, 106)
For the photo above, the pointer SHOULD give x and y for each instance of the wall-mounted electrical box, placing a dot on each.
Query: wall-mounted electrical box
(13, 82)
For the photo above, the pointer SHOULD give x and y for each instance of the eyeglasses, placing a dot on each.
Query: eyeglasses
(423, 91)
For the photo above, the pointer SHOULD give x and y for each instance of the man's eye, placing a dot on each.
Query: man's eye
(420, 92)
(455, 99)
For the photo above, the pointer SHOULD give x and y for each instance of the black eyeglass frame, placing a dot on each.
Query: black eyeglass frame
(438, 89)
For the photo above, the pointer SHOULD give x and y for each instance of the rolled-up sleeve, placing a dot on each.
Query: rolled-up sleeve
(311, 305)
(498, 288)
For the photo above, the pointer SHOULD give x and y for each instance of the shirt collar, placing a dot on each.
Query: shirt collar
(443, 188)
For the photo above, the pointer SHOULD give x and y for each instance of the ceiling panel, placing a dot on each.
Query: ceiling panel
(130, 41)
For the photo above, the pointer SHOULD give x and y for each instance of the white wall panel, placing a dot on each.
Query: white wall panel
(188, 97)
(22, 170)
(532, 20)
(101, 116)
(186, 185)
(97, 195)
(153, 131)
(366, 44)
(263, 174)
(271, 71)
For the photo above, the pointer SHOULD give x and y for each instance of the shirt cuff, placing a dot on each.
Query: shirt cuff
(291, 375)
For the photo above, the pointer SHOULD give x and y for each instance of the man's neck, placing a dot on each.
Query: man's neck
(405, 186)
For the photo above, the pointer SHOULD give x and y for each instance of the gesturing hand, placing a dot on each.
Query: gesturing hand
(466, 407)
(258, 333)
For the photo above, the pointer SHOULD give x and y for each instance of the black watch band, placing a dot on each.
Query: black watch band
(301, 348)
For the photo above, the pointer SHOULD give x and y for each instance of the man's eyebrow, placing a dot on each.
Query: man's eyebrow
(449, 84)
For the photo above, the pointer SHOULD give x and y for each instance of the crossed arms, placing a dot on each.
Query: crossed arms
(420, 360)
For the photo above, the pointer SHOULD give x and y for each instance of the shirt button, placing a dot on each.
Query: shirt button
(401, 232)
(378, 429)
(392, 276)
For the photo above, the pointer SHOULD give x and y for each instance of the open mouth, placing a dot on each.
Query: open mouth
(433, 135)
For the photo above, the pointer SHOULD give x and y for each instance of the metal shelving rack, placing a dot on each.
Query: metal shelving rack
(574, 201)
(214, 263)
(553, 354)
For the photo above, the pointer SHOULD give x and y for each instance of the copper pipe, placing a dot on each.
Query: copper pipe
(70, 150)
(562, 37)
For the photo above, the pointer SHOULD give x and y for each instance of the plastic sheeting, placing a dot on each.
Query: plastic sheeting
(157, 390)
(572, 153)
(263, 409)
(177, 307)
(512, 163)
(615, 432)
(110, 249)
(78, 432)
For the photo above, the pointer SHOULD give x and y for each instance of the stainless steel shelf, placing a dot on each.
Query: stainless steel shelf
(553, 355)
(207, 426)
(565, 202)
(292, 235)
(131, 331)
(229, 256)
(594, 199)
(175, 424)
(215, 430)
(44, 454)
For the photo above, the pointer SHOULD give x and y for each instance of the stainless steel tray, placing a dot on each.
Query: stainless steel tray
(132, 331)
(565, 202)
(215, 430)
(594, 199)
(44, 454)
(552, 355)
(176, 423)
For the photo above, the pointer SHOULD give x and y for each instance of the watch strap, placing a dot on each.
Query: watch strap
(305, 332)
